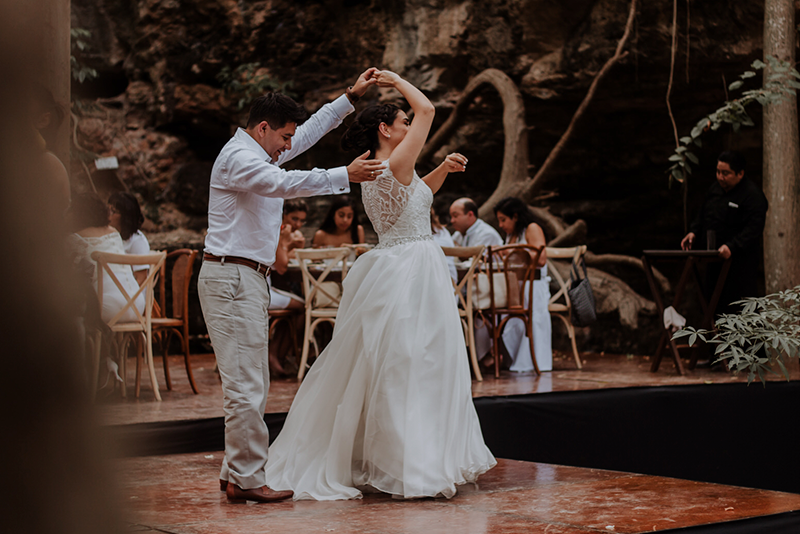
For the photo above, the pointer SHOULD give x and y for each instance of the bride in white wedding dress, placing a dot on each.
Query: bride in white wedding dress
(388, 406)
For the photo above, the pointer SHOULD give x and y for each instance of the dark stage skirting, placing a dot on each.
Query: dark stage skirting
(722, 433)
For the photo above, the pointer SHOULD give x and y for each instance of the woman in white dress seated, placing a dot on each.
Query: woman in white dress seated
(125, 216)
(515, 219)
(388, 405)
(90, 216)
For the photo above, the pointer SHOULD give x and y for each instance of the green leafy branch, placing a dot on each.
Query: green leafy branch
(781, 82)
(766, 331)
(248, 81)
(79, 43)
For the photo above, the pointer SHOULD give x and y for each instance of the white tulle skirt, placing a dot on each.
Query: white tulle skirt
(388, 404)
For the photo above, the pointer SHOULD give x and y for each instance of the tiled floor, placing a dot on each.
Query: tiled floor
(179, 494)
(600, 371)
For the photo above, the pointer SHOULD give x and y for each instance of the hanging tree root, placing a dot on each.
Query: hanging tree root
(611, 292)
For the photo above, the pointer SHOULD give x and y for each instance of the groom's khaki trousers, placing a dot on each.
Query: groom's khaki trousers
(235, 299)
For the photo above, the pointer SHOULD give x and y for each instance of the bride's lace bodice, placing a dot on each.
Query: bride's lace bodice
(399, 213)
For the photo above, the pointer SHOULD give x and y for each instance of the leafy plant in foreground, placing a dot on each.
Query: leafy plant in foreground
(766, 331)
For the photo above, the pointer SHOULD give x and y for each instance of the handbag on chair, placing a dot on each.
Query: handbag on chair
(482, 295)
(580, 294)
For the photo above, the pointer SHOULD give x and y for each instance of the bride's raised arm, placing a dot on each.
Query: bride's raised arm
(404, 156)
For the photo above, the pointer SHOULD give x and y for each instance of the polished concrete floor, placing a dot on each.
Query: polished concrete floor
(179, 495)
(600, 371)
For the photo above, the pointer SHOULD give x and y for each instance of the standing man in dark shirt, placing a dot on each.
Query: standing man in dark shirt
(731, 220)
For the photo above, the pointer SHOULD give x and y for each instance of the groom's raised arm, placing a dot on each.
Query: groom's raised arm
(327, 118)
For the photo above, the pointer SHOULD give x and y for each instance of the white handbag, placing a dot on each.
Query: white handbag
(481, 292)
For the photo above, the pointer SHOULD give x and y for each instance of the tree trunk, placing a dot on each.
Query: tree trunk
(781, 159)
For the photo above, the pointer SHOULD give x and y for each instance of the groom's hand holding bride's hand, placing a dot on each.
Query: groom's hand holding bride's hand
(364, 82)
(363, 169)
(386, 78)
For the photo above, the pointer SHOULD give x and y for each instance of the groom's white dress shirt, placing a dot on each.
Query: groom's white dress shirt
(245, 204)
(480, 233)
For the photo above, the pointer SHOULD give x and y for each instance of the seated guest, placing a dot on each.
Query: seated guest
(89, 215)
(125, 216)
(470, 231)
(295, 212)
(515, 219)
(443, 238)
(340, 226)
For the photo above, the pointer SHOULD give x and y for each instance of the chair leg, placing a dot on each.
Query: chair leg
(164, 342)
(473, 352)
(529, 328)
(148, 347)
(301, 371)
(186, 355)
(571, 333)
(123, 372)
(496, 348)
(139, 350)
(95, 368)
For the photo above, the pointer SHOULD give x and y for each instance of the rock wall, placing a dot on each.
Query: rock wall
(159, 106)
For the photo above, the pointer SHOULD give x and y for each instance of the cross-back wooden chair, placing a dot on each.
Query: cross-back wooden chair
(176, 323)
(463, 291)
(560, 305)
(517, 263)
(143, 323)
(322, 296)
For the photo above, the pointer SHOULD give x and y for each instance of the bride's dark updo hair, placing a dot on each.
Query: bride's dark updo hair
(362, 135)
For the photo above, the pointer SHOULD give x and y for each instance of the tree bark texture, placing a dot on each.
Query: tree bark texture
(515, 150)
(56, 69)
(781, 159)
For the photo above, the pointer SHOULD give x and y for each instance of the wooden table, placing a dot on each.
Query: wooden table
(691, 259)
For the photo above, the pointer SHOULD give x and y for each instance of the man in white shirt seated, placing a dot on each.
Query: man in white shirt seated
(470, 230)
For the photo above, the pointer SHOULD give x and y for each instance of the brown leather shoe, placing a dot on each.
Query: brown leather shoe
(236, 494)
(223, 485)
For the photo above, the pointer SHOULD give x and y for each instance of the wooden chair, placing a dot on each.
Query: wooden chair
(563, 309)
(322, 296)
(517, 263)
(177, 323)
(463, 291)
(276, 317)
(143, 323)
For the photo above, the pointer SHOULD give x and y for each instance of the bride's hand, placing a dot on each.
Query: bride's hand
(455, 162)
(386, 78)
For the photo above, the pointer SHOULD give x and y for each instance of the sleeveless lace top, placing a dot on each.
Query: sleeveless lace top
(399, 213)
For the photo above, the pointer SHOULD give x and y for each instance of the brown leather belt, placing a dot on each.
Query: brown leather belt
(260, 268)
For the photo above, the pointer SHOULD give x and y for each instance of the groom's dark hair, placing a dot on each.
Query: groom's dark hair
(277, 109)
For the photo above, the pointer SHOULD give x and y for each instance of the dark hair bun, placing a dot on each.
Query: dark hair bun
(362, 135)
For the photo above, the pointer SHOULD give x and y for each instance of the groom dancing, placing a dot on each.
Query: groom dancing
(244, 218)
